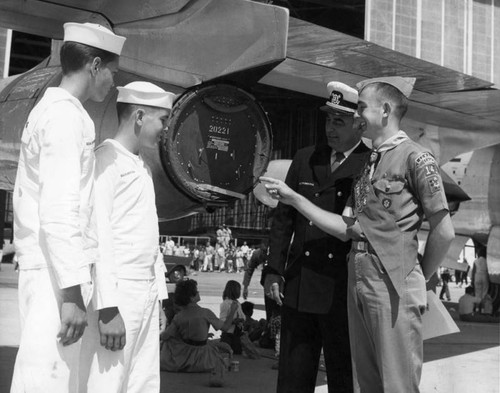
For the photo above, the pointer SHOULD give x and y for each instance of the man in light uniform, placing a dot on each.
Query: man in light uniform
(398, 188)
(53, 203)
(387, 295)
(130, 278)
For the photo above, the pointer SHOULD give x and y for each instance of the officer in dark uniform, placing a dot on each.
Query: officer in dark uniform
(312, 263)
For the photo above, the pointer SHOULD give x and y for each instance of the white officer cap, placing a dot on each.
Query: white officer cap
(343, 99)
(94, 35)
(145, 93)
(404, 85)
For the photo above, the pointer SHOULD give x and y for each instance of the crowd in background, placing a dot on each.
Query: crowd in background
(222, 255)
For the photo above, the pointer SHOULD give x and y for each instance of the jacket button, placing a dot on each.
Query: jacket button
(339, 194)
(330, 256)
(316, 194)
(311, 223)
(307, 253)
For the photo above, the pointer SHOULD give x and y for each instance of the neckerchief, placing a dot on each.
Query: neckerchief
(363, 185)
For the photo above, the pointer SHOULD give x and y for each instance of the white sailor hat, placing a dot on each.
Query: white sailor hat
(94, 35)
(343, 99)
(404, 85)
(145, 93)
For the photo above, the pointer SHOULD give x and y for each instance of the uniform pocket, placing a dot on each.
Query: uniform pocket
(390, 186)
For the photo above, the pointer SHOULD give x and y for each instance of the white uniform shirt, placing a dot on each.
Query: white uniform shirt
(127, 222)
(53, 194)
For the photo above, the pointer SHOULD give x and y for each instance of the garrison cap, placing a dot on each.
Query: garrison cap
(404, 85)
(343, 99)
(94, 35)
(145, 93)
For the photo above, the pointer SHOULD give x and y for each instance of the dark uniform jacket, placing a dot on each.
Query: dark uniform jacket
(314, 265)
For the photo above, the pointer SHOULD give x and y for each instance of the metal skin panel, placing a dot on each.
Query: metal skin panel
(332, 49)
(479, 218)
(475, 216)
(207, 39)
(493, 257)
(18, 95)
(181, 42)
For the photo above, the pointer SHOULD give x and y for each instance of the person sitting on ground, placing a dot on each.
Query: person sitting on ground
(486, 305)
(254, 328)
(186, 347)
(232, 336)
(468, 308)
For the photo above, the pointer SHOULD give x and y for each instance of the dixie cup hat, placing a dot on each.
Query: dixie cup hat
(145, 93)
(94, 35)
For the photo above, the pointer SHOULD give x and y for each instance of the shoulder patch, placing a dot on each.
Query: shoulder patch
(434, 184)
(424, 158)
(430, 170)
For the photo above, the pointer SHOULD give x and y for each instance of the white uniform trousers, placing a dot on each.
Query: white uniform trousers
(136, 368)
(481, 284)
(42, 363)
(385, 330)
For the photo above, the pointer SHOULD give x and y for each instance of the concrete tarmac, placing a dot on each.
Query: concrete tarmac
(464, 362)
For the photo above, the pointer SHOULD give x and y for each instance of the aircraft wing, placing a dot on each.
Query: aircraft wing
(181, 42)
(448, 111)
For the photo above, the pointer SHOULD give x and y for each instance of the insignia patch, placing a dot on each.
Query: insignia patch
(434, 184)
(386, 203)
(336, 97)
(424, 158)
(430, 170)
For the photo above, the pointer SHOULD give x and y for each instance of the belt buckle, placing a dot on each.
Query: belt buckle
(361, 246)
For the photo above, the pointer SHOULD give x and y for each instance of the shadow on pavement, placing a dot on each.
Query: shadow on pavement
(473, 337)
(7, 359)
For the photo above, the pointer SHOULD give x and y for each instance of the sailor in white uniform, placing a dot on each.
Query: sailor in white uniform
(130, 277)
(53, 202)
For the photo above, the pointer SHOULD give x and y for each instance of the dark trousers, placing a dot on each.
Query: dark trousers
(302, 337)
(271, 307)
(233, 340)
(445, 291)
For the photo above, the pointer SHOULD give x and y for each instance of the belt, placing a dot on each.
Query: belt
(195, 343)
(362, 246)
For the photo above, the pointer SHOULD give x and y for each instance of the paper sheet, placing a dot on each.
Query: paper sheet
(436, 320)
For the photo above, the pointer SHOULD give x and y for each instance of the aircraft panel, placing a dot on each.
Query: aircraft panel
(128, 10)
(329, 48)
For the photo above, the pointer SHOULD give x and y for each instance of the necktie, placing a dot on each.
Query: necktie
(339, 156)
